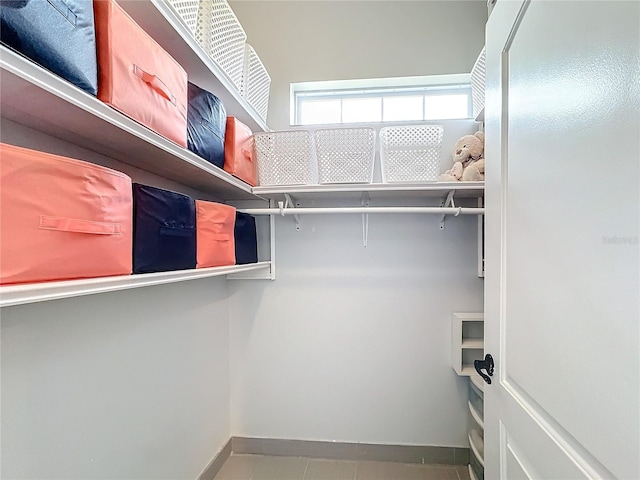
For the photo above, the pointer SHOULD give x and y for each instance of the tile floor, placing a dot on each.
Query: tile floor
(262, 467)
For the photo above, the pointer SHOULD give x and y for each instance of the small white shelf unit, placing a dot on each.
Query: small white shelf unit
(467, 341)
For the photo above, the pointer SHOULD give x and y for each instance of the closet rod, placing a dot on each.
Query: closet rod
(323, 210)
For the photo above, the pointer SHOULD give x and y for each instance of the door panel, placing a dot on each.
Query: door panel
(562, 263)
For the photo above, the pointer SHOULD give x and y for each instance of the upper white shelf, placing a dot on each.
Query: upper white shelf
(39, 292)
(35, 97)
(163, 24)
(374, 190)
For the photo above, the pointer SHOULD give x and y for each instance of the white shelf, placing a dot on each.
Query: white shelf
(40, 292)
(163, 24)
(37, 98)
(467, 344)
(374, 190)
(475, 452)
(476, 416)
(467, 370)
(473, 343)
(477, 381)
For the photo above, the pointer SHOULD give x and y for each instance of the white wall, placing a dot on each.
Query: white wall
(122, 385)
(352, 343)
(301, 41)
(131, 384)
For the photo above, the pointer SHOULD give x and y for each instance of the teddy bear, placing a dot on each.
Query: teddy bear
(468, 160)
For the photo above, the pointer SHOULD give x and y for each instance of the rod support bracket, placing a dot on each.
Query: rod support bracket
(365, 219)
(447, 202)
(289, 203)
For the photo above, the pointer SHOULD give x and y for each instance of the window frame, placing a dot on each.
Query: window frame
(433, 85)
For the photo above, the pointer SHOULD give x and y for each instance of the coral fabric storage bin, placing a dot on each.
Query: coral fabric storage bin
(137, 77)
(214, 232)
(246, 239)
(61, 218)
(57, 34)
(164, 230)
(206, 125)
(239, 160)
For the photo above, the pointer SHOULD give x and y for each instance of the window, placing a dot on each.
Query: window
(381, 100)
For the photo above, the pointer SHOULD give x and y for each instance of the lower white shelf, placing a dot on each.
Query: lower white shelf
(475, 452)
(40, 292)
(472, 475)
(476, 416)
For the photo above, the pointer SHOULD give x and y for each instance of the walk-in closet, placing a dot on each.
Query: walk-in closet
(255, 298)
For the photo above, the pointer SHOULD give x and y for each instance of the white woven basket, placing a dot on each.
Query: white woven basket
(478, 84)
(255, 82)
(285, 158)
(410, 153)
(221, 36)
(187, 10)
(345, 155)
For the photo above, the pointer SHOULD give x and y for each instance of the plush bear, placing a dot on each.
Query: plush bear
(468, 160)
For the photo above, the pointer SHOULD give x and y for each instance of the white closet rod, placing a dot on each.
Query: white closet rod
(323, 210)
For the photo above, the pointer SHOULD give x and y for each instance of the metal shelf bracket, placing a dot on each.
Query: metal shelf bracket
(365, 219)
(289, 203)
(448, 202)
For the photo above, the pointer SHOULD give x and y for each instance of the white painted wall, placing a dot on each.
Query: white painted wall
(300, 41)
(131, 384)
(352, 343)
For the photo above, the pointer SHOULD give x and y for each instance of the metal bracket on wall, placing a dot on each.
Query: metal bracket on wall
(365, 220)
(446, 203)
(290, 203)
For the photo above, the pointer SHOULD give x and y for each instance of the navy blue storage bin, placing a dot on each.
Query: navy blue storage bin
(164, 230)
(246, 239)
(57, 34)
(206, 125)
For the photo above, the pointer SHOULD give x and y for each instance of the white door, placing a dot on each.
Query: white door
(562, 225)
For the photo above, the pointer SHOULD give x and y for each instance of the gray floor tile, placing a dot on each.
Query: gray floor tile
(431, 472)
(463, 472)
(237, 467)
(330, 470)
(393, 471)
(279, 468)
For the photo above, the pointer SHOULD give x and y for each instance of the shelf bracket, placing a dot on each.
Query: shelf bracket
(365, 219)
(289, 203)
(446, 203)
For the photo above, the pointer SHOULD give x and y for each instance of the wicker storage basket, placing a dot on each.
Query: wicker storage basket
(410, 153)
(255, 82)
(345, 155)
(478, 84)
(220, 34)
(187, 10)
(285, 158)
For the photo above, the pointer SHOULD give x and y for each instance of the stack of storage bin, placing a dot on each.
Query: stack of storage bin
(93, 222)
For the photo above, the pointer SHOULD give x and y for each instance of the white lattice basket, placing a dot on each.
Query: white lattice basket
(478, 84)
(345, 155)
(187, 10)
(410, 153)
(285, 158)
(220, 34)
(255, 82)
